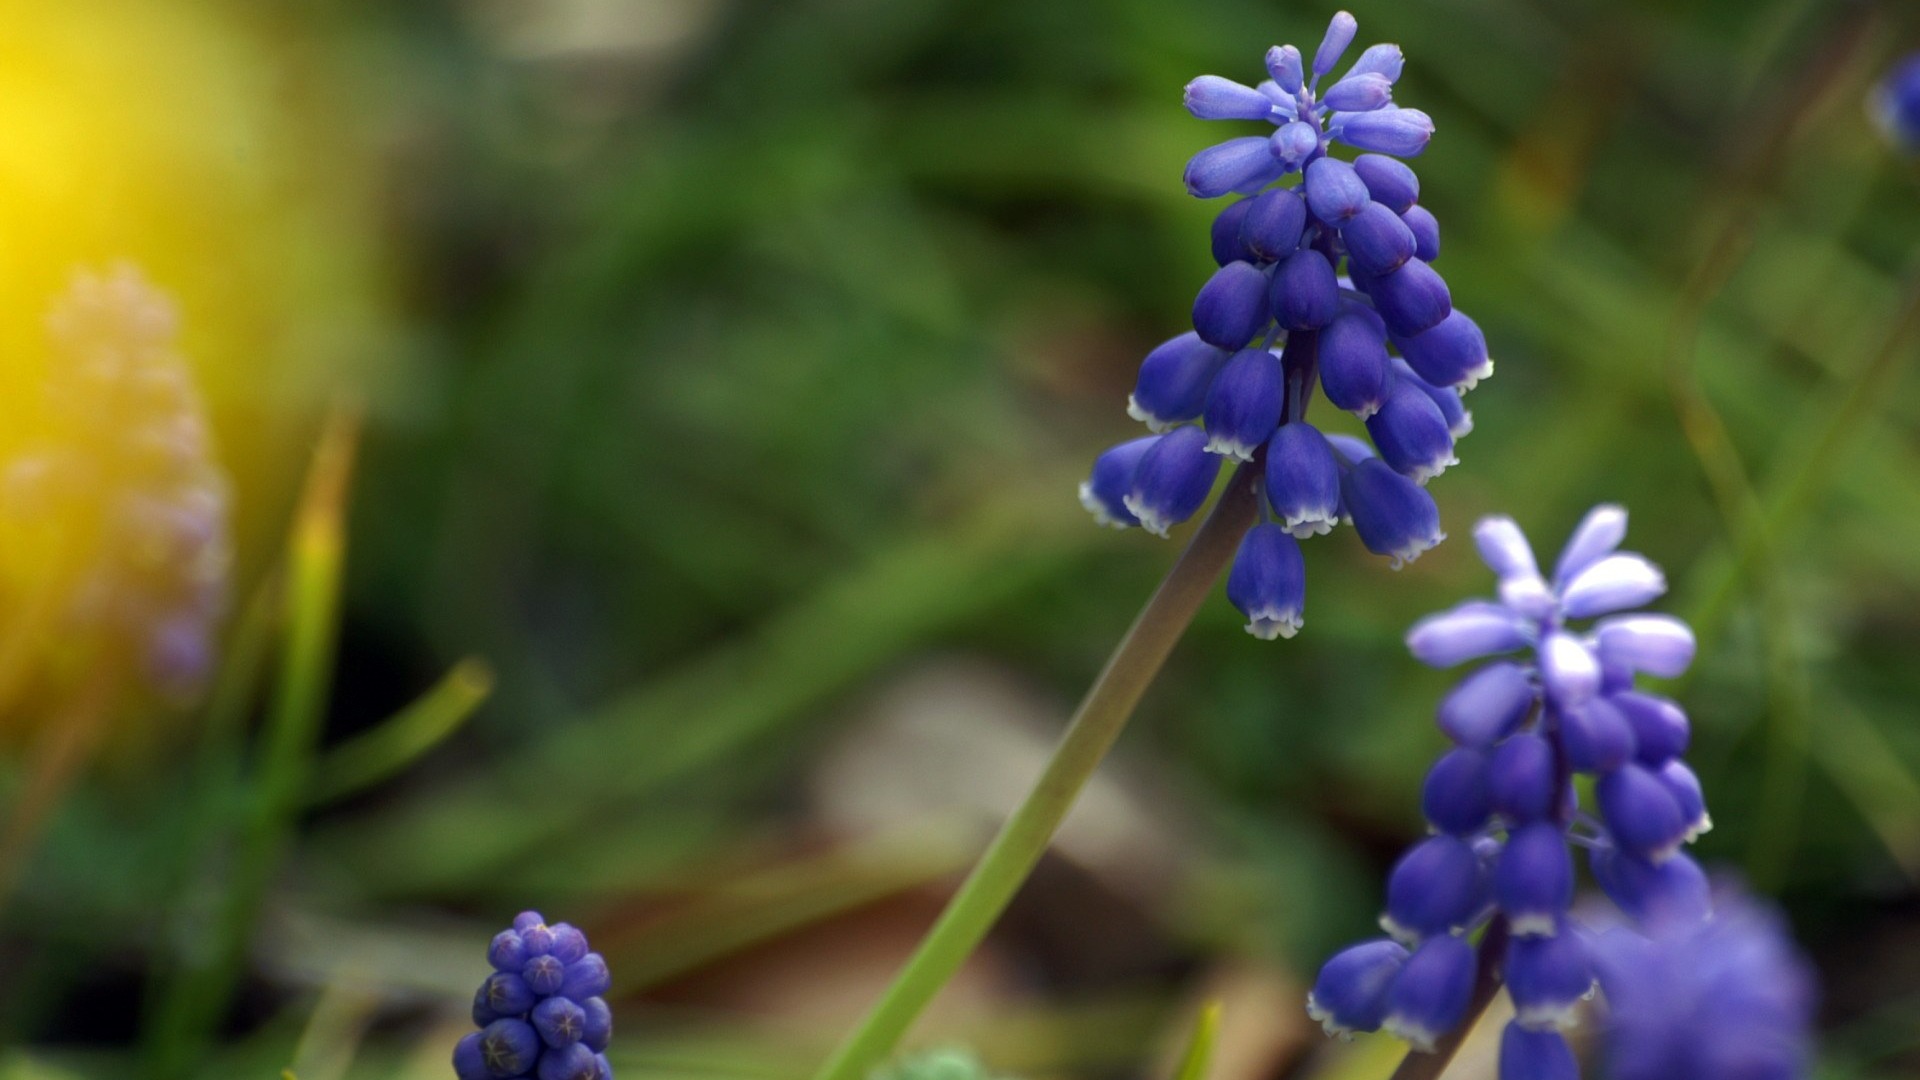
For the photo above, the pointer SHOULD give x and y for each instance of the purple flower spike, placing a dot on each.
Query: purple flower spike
(1526, 1054)
(1303, 480)
(1243, 408)
(1895, 105)
(1172, 480)
(1174, 380)
(1429, 997)
(1211, 97)
(1268, 582)
(1316, 268)
(1351, 993)
(1726, 998)
(1231, 308)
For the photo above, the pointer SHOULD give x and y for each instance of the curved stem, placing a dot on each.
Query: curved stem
(1486, 983)
(1023, 839)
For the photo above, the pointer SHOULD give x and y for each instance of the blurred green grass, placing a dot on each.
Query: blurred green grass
(751, 352)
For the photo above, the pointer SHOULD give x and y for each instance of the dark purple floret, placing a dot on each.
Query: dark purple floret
(1243, 407)
(1389, 181)
(1227, 243)
(1412, 299)
(1429, 997)
(1426, 232)
(1335, 193)
(1231, 308)
(1173, 479)
(1174, 381)
(1272, 224)
(1353, 361)
(1378, 242)
(1436, 886)
(1268, 581)
(1305, 294)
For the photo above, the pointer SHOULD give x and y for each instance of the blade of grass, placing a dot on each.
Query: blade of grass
(1198, 1058)
(403, 737)
(198, 999)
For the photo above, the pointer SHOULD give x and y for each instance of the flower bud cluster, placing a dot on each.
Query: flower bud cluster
(1722, 998)
(126, 483)
(540, 1013)
(1325, 273)
(1895, 105)
(1559, 702)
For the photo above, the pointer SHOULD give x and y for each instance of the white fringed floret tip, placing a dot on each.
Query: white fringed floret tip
(1149, 520)
(1099, 509)
(1229, 448)
(1406, 556)
(1154, 423)
(1267, 625)
(1302, 526)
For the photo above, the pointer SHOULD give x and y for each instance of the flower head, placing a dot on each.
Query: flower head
(1559, 699)
(540, 1013)
(1895, 105)
(1323, 269)
(124, 487)
(1723, 997)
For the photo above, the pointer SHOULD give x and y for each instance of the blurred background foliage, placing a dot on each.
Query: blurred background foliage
(722, 372)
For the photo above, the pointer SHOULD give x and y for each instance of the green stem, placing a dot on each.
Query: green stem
(1024, 838)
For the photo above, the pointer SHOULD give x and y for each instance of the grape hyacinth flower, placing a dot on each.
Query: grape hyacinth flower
(1324, 267)
(126, 486)
(1895, 105)
(540, 1013)
(1721, 998)
(1557, 698)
